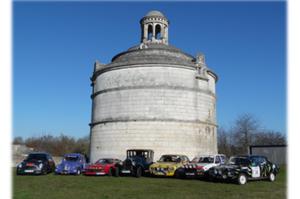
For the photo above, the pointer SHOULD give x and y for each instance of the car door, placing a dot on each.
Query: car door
(217, 161)
(255, 168)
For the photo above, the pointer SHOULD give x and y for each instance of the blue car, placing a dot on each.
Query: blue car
(73, 163)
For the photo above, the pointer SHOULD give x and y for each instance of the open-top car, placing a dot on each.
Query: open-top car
(169, 165)
(137, 162)
(200, 165)
(104, 166)
(36, 163)
(72, 163)
(244, 168)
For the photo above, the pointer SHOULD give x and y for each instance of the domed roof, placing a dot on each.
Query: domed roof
(154, 13)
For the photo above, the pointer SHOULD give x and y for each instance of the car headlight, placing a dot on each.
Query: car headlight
(133, 163)
(273, 166)
(40, 165)
(220, 172)
(215, 171)
(20, 165)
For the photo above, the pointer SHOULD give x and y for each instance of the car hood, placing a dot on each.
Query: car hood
(33, 161)
(227, 166)
(96, 166)
(70, 164)
(166, 164)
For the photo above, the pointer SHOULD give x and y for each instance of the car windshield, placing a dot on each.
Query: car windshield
(239, 161)
(36, 157)
(71, 158)
(105, 161)
(170, 158)
(204, 159)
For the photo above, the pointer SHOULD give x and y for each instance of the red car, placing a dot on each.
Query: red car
(104, 166)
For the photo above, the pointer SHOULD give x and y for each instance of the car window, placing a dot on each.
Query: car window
(218, 160)
(223, 159)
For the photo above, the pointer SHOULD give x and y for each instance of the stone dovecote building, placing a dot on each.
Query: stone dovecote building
(153, 96)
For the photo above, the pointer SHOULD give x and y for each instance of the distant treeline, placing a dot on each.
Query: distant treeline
(56, 145)
(246, 130)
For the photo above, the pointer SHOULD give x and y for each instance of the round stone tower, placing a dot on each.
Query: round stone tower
(153, 96)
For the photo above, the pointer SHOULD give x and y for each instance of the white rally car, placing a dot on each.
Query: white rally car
(200, 165)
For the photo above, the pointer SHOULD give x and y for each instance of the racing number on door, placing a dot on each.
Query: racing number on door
(255, 172)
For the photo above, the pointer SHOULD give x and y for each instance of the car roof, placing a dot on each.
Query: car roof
(248, 156)
(140, 150)
(43, 153)
(73, 154)
(173, 155)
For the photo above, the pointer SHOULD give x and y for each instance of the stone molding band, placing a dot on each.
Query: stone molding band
(127, 65)
(154, 87)
(104, 121)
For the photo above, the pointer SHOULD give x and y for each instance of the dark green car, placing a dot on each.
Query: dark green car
(243, 168)
(36, 163)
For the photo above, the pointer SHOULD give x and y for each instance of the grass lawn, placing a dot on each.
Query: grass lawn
(83, 187)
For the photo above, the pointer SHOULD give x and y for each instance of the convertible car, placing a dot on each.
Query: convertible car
(244, 168)
(105, 166)
(36, 163)
(72, 163)
(169, 165)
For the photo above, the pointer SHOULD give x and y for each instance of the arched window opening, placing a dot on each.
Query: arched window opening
(150, 32)
(157, 32)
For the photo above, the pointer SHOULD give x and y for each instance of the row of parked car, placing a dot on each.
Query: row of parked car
(140, 162)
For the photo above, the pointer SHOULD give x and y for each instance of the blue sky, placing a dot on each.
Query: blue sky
(56, 44)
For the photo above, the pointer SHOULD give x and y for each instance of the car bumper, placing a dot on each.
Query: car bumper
(162, 173)
(66, 172)
(94, 173)
(29, 171)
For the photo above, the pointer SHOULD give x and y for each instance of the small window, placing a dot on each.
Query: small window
(157, 32)
(150, 32)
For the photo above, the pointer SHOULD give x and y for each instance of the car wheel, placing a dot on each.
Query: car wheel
(110, 172)
(138, 172)
(242, 179)
(44, 171)
(179, 174)
(272, 177)
(117, 172)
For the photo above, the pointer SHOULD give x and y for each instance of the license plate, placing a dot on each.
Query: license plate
(100, 173)
(125, 171)
(190, 174)
(28, 171)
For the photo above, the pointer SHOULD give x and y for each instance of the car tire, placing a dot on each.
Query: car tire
(44, 171)
(179, 174)
(242, 179)
(138, 172)
(272, 177)
(117, 172)
(110, 172)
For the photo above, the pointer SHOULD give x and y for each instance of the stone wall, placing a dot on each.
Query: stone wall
(159, 107)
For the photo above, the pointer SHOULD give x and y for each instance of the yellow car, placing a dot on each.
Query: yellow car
(169, 165)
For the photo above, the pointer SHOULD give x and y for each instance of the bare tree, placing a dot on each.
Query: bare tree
(244, 129)
(18, 140)
(270, 137)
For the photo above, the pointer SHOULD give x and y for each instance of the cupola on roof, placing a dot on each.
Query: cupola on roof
(154, 13)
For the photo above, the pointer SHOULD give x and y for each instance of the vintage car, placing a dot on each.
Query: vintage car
(200, 165)
(244, 168)
(36, 163)
(104, 166)
(72, 163)
(169, 165)
(137, 162)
